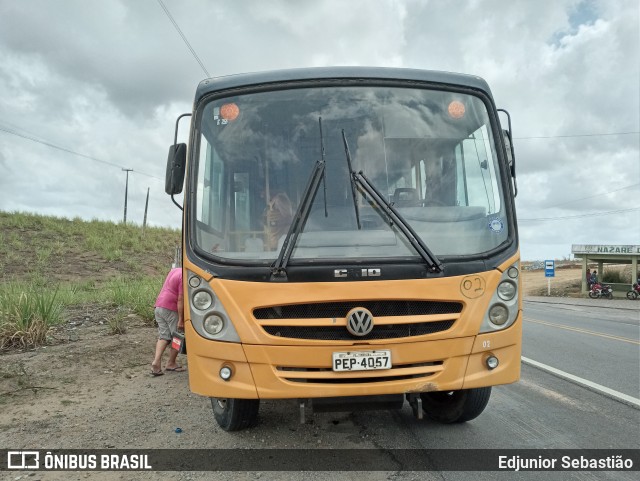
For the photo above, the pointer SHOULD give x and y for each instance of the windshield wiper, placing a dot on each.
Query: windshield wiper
(324, 173)
(278, 269)
(352, 179)
(414, 239)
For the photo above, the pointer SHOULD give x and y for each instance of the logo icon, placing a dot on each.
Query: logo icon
(496, 225)
(23, 459)
(359, 322)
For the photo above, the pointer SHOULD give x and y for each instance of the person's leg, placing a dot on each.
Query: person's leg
(171, 362)
(172, 320)
(164, 336)
(161, 345)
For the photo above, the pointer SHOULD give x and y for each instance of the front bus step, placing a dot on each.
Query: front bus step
(351, 404)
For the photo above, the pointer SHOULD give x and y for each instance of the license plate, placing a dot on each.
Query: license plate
(361, 360)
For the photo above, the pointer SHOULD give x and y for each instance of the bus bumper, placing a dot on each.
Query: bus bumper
(283, 372)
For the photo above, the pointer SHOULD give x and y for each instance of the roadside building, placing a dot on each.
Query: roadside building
(606, 254)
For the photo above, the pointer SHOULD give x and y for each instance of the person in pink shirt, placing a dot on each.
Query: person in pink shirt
(169, 313)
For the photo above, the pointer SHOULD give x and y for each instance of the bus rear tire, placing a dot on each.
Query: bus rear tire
(235, 414)
(455, 406)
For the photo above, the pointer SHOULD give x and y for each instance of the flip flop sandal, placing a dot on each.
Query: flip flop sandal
(176, 369)
(157, 373)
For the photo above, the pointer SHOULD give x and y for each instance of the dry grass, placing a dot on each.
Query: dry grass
(13, 335)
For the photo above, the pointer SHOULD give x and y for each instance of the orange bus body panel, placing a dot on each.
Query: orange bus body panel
(272, 367)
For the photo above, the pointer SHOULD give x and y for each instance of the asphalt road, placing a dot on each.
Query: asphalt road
(539, 412)
(594, 341)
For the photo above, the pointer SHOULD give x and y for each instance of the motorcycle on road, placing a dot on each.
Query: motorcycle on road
(599, 290)
(634, 293)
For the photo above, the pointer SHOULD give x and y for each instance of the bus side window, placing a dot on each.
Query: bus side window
(477, 181)
(211, 195)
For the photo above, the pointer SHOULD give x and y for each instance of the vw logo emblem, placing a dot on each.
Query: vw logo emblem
(359, 321)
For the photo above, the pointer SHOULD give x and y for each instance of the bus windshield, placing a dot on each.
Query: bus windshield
(430, 153)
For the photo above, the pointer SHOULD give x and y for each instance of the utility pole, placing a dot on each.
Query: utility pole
(146, 206)
(126, 189)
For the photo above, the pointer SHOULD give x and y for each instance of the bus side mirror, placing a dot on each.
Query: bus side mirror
(509, 145)
(176, 161)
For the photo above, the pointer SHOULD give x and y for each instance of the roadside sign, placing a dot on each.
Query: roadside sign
(549, 268)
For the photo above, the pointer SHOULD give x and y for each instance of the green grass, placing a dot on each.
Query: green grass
(48, 264)
(48, 245)
(615, 277)
(26, 315)
(29, 309)
(135, 295)
(138, 295)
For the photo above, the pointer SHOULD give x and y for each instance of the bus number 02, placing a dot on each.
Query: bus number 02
(472, 287)
(486, 344)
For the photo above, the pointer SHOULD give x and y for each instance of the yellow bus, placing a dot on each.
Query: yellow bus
(349, 242)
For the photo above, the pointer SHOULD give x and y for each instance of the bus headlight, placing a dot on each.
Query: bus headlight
(202, 300)
(207, 314)
(504, 305)
(213, 324)
(507, 290)
(498, 314)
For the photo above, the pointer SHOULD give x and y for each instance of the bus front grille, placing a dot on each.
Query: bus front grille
(340, 333)
(328, 376)
(361, 380)
(382, 308)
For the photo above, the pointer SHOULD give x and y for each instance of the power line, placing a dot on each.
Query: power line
(591, 196)
(193, 52)
(579, 216)
(64, 149)
(577, 135)
(17, 128)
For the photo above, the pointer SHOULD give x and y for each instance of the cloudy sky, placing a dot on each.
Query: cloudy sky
(88, 88)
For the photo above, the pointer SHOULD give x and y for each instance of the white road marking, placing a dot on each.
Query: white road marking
(625, 398)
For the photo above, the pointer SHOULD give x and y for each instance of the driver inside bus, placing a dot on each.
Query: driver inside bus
(278, 216)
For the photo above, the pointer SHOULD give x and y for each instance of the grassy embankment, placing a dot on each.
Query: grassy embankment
(50, 265)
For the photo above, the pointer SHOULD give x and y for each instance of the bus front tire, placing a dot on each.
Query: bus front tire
(455, 406)
(235, 414)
